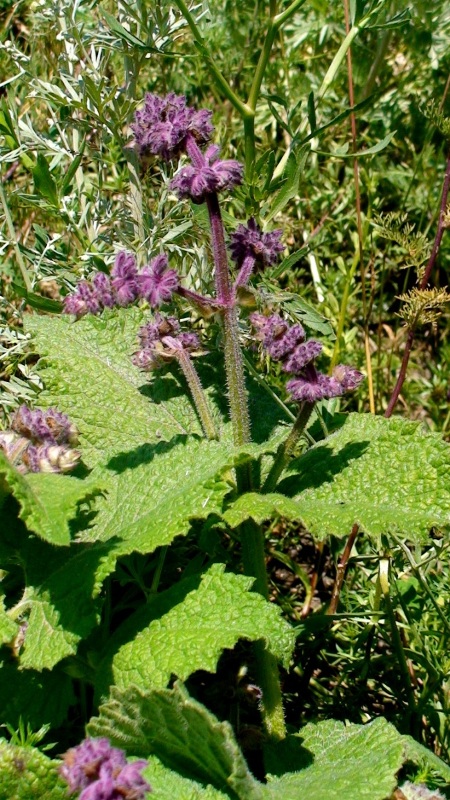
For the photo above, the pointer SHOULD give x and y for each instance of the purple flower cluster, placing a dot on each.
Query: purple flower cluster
(167, 127)
(154, 283)
(249, 241)
(162, 341)
(163, 124)
(210, 176)
(41, 441)
(286, 343)
(101, 772)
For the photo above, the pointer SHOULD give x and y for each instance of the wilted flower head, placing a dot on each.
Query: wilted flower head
(195, 181)
(50, 426)
(157, 283)
(101, 772)
(162, 341)
(162, 126)
(41, 441)
(249, 240)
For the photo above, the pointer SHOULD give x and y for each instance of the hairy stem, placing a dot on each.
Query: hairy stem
(198, 395)
(286, 449)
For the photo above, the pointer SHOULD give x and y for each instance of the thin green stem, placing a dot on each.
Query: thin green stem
(267, 675)
(281, 18)
(383, 580)
(261, 65)
(12, 234)
(198, 394)
(286, 449)
(249, 147)
(159, 568)
(209, 60)
(423, 581)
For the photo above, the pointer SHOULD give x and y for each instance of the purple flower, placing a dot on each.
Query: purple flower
(130, 780)
(302, 355)
(162, 126)
(101, 772)
(312, 385)
(90, 760)
(248, 240)
(51, 426)
(157, 283)
(125, 278)
(103, 290)
(348, 377)
(161, 341)
(83, 301)
(50, 458)
(277, 337)
(195, 181)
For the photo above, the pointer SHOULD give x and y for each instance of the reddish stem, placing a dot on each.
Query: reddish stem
(341, 570)
(426, 276)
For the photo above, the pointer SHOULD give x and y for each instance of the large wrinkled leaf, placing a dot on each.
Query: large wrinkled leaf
(8, 628)
(142, 439)
(143, 442)
(47, 502)
(28, 774)
(355, 762)
(59, 602)
(169, 785)
(182, 733)
(192, 635)
(386, 475)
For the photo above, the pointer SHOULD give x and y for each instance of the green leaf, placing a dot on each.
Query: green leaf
(62, 597)
(37, 300)
(48, 502)
(142, 439)
(420, 755)
(386, 475)
(293, 173)
(182, 733)
(75, 163)
(298, 308)
(125, 35)
(44, 182)
(60, 601)
(36, 698)
(192, 635)
(28, 774)
(355, 762)
(8, 628)
(169, 785)
(369, 151)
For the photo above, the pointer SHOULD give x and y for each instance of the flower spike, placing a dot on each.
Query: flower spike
(162, 126)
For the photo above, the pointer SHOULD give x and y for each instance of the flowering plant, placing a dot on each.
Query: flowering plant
(163, 458)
